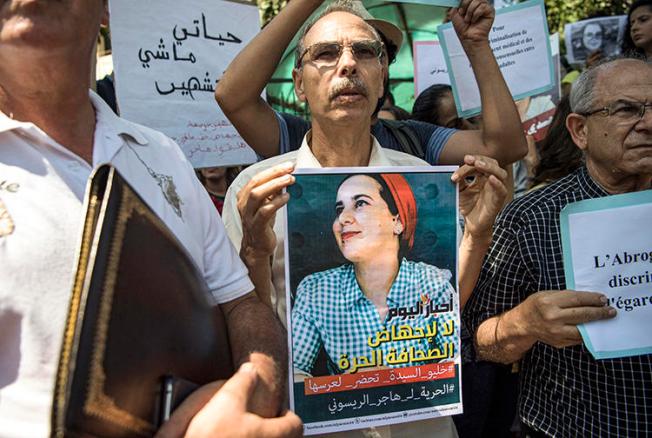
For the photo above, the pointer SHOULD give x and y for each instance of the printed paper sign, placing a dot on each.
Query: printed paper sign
(519, 39)
(168, 58)
(588, 36)
(429, 66)
(607, 247)
(371, 277)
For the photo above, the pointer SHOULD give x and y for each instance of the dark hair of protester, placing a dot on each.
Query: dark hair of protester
(396, 112)
(558, 154)
(426, 106)
(629, 47)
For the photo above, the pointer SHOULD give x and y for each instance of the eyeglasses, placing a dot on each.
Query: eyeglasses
(624, 111)
(327, 54)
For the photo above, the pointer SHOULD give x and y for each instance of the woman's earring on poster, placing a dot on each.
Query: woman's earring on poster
(398, 227)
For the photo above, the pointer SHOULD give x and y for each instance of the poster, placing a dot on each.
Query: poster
(371, 262)
(168, 58)
(587, 36)
(429, 66)
(542, 107)
(617, 264)
(520, 42)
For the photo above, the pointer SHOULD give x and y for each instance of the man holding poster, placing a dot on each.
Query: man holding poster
(340, 74)
(520, 309)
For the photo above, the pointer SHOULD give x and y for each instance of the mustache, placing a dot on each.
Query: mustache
(354, 84)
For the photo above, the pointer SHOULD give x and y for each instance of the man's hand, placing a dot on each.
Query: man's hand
(482, 194)
(552, 317)
(472, 21)
(548, 316)
(258, 202)
(594, 58)
(222, 411)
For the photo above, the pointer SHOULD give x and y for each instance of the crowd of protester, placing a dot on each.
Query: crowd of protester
(525, 369)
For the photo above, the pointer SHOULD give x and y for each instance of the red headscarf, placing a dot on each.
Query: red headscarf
(405, 203)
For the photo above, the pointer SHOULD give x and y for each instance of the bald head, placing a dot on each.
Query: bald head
(583, 93)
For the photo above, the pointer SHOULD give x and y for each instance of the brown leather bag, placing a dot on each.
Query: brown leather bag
(139, 312)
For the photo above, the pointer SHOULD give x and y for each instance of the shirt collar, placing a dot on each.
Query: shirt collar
(106, 118)
(103, 116)
(306, 159)
(589, 185)
(399, 294)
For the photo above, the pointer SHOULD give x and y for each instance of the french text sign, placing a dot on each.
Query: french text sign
(607, 247)
(519, 39)
(168, 58)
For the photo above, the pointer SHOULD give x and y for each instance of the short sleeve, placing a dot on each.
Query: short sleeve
(437, 142)
(226, 275)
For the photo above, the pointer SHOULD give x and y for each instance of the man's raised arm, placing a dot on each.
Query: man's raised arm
(238, 92)
(502, 135)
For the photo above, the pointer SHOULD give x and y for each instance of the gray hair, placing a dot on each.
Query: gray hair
(337, 6)
(582, 95)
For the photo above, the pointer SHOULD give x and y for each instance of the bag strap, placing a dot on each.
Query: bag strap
(406, 137)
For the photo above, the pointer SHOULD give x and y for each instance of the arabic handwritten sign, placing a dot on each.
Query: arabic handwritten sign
(520, 42)
(617, 264)
(393, 365)
(429, 66)
(168, 58)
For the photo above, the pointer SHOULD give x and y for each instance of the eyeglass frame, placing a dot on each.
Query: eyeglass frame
(607, 111)
(381, 50)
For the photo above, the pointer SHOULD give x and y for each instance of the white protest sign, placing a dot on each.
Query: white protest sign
(429, 66)
(168, 58)
(519, 39)
(587, 36)
(607, 247)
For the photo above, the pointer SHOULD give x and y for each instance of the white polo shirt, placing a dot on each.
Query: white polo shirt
(304, 158)
(42, 187)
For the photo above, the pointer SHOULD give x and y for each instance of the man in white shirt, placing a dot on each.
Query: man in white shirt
(340, 74)
(52, 135)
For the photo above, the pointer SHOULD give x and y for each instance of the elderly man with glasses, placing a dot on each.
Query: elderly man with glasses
(520, 309)
(341, 69)
(270, 133)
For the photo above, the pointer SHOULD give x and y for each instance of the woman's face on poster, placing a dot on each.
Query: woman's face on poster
(592, 37)
(363, 226)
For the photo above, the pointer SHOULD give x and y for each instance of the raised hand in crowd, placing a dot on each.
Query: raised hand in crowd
(220, 409)
(482, 185)
(594, 58)
(472, 21)
(257, 203)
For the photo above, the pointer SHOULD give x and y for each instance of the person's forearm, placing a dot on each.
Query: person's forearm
(472, 251)
(502, 132)
(504, 338)
(256, 336)
(251, 70)
(260, 273)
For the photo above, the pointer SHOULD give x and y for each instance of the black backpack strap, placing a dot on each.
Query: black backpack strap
(406, 137)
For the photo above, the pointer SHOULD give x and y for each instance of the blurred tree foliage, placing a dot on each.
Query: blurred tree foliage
(269, 9)
(561, 12)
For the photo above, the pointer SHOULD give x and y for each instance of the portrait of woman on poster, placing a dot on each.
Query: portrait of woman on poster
(343, 309)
